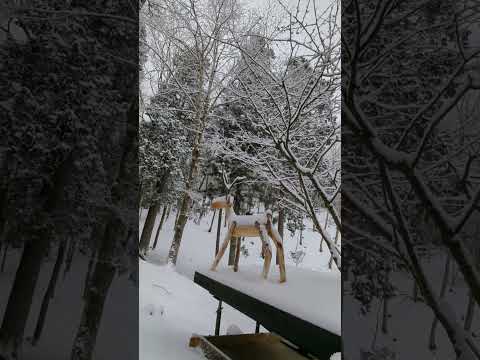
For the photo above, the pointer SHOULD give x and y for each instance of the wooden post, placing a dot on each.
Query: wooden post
(217, 244)
(257, 327)
(219, 317)
(281, 222)
(213, 219)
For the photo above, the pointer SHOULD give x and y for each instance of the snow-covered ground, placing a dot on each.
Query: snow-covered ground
(172, 307)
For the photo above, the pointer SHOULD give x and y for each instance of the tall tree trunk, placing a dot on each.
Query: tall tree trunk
(330, 262)
(204, 201)
(148, 227)
(21, 295)
(179, 227)
(4, 257)
(49, 293)
(26, 277)
(415, 291)
(470, 311)
(443, 289)
(385, 309)
(179, 206)
(101, 280)
(118, 228)
(232, 250)
(162, 219)
(88, 276)
(184, 210)
(169, 208)
(346, 273)
(97, 233)
(70, 253)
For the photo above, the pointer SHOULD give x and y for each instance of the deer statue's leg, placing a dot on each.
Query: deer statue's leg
(268, 250)
(277, 239)
(222, 249)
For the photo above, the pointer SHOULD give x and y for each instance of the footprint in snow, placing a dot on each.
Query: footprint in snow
(151, 310)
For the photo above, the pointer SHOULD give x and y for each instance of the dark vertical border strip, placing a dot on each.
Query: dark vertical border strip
(69, 180)
(410, 191)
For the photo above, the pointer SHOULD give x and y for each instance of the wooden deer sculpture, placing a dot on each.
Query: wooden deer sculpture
(249, 226)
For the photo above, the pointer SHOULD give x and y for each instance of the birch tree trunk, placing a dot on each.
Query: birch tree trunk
(184, 209)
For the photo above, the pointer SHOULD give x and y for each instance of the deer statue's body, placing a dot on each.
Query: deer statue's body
(249, 226)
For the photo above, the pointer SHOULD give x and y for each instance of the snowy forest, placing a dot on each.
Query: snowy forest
(176, 174)
(240, 99)
(233, 103)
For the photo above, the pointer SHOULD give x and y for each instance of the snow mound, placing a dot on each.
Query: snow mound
(234, 330)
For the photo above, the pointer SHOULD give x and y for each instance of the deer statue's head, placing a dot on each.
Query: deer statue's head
(222, 202)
